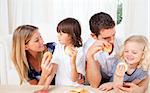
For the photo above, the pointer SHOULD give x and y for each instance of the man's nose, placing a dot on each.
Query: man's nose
(112, 40)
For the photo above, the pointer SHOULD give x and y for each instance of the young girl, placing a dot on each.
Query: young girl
(69, 54)
(133, 63)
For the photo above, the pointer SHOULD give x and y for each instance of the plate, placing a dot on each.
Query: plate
(69, 91)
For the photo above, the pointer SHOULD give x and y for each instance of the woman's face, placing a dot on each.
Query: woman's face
(133, 53)
(64, 38)
(36, 43)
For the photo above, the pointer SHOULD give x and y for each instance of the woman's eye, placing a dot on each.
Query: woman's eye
(36, 40)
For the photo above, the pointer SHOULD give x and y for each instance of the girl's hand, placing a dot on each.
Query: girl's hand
(73, 55)
(81, 79)
(72, 52)
(130, 88)
(106, 86)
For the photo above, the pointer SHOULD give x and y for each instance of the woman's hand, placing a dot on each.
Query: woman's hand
(46, 69)
(51, 76)
(45, 65)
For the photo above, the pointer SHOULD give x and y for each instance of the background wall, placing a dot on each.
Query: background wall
(47, 13)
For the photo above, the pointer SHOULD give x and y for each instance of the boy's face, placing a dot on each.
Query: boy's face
(108, 35)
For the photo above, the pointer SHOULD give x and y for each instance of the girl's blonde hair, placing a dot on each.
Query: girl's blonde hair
(142, 40)
(21, 37)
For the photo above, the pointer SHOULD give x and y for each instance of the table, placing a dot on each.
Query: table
(52, 89)
(33, 88)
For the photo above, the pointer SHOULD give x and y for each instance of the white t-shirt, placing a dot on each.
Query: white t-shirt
(105, 60)
(63, 75)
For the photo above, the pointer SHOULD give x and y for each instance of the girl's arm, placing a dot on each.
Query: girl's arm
(74, 73)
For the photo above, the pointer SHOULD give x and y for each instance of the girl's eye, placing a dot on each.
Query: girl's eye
(125, 51)
(134, 52)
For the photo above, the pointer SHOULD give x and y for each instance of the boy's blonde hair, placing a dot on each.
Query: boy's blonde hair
(21, 36)
(144, 63)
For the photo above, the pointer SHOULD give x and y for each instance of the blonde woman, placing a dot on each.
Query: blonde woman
(132, 65)
(27, 53)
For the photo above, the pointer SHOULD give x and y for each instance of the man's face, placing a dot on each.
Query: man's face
(108, 35)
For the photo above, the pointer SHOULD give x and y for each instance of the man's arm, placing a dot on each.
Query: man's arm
(93, 72)
(93, 67)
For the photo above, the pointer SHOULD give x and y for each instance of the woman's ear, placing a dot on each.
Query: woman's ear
(93, 36)
(26, 47)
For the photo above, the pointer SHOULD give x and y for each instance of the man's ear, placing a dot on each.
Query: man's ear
(93, 36)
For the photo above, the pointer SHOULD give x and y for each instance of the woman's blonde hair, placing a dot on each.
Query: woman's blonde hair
(21, 37)
(142, 40)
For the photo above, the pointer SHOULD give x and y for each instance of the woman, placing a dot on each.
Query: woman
(27, 52)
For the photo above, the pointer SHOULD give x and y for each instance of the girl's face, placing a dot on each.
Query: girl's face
(133, 53)
(64, 38)
(36, 43)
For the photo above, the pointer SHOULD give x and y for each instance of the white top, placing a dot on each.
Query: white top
(63, 75)
(103, 57)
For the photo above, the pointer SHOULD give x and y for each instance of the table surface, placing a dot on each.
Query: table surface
(52, 89)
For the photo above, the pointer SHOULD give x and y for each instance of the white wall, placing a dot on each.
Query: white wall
(135, 17)
(47, 13)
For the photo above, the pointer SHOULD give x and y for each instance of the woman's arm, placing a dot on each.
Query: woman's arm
(33, 82)
(51, 76)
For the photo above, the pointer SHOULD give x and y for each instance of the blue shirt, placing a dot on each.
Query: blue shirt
(32, 73)
(139, 73)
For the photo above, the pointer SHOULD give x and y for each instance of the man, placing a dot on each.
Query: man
(100, 62)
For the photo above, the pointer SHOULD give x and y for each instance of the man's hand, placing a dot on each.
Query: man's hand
(97, 46)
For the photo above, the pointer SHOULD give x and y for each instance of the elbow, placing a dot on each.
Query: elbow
(94, 85)
(94, 82)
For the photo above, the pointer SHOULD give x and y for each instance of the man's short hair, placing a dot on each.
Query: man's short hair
(101, 21)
